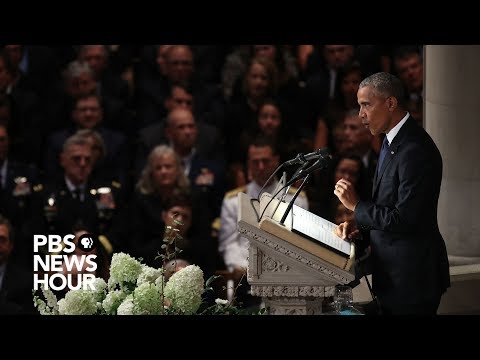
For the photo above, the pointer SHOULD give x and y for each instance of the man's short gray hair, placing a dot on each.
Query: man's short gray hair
(385, 85)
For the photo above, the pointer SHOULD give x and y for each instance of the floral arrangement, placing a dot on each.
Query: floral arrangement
(136, 289)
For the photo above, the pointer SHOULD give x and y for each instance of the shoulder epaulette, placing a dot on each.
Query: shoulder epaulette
(235, 192)
(216, 224)
(38, 188)
(106, 243)
(116, 184)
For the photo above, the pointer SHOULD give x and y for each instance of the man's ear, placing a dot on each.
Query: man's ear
(392, 103)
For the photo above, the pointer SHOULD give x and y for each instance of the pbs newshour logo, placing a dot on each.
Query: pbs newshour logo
(72, 266)
(86, 243)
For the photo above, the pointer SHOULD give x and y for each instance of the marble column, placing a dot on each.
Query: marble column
(452, 118)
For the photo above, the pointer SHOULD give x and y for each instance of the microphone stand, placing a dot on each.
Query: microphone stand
(287, 188)
(290, 204)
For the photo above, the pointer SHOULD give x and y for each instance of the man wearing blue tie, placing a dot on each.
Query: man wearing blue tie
(410, 269)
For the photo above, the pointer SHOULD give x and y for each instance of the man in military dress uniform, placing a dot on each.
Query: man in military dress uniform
(75, 199)
(262, 161)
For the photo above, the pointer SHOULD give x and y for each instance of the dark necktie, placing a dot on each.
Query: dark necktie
(77, 194)
(383, 152)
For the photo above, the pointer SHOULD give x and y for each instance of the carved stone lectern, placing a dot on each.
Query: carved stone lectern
(290, 280)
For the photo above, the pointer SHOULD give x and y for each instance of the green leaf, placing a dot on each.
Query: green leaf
(211, 279)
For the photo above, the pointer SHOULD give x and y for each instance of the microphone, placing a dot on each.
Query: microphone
(303, 158)
(322, 162)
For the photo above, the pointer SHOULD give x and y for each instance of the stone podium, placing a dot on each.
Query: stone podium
(290, 280)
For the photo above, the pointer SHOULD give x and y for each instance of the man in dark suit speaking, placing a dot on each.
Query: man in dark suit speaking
(410, 269)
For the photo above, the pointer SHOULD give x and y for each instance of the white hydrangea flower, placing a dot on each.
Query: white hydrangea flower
(50, 297)
(221, 302)
(147, 300)
(42, 307)
(126, 307)
(78, 302)
(51, 306)
(112, 301)
(62, 304)
(185, 288)
(100, 287)
(148, 275)
(123, 270)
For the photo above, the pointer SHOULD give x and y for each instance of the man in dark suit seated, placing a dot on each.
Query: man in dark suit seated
(37, 68)
(21, 111)
(110, 83)
(410, 269)
(88, 114)
(18, 184)
(175, 64)
(208, 142)
(16, 283)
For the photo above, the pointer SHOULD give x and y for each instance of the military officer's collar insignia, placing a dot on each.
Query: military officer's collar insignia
(101, 191)
(38, 188)
(105, 199)
(22, 186)
(116, 184)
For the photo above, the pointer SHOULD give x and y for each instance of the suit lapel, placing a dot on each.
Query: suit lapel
(393, 149)
(9, 177)
(388, 158)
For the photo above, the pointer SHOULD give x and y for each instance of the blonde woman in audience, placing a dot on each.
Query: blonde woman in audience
(162, 178)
